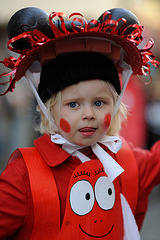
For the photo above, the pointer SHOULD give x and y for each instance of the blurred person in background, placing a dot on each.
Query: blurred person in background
(152, 113)
(134, 129)
(16, 113)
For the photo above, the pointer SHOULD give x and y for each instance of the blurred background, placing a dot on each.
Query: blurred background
(17, 109)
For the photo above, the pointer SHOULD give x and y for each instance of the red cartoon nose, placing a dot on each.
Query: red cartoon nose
(98, 221)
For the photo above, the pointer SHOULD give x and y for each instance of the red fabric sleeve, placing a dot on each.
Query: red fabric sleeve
(14, 200)
(149, 176)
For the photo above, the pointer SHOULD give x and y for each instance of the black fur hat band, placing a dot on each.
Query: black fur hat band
(72, 68)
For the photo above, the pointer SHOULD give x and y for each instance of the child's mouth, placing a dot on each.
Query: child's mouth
(87, 131)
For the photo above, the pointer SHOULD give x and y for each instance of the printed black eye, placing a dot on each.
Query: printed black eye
(110, 191)
(88, 196)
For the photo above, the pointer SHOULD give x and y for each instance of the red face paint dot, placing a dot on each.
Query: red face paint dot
(64, 125)
(107, 120)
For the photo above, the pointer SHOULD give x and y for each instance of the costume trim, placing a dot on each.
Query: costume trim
(44, 194)
(127, 160)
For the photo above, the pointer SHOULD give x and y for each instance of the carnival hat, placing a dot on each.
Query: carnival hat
(36, 36)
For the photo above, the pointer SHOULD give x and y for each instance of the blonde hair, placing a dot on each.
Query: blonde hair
(46, 126)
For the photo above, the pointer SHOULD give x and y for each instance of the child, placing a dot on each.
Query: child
(77, 182)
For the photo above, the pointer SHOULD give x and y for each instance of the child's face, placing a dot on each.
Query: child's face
(84, 115)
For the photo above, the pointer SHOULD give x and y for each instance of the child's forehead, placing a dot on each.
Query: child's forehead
(89, 87)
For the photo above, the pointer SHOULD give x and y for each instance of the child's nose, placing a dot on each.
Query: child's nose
(88, 113)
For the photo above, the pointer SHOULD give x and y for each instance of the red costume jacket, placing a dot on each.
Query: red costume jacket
(16, 204)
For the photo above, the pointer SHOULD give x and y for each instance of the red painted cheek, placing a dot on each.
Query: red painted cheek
(107, 120)
(64, 125)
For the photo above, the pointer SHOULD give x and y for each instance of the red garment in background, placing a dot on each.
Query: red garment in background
(135, 129)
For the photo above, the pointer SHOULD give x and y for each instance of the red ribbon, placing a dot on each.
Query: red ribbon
(35, 38)
(57, 32)
(9, 62)
(82, 22)
(148, 58)
(11, 81)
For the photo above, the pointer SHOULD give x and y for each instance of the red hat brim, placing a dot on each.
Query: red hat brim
(103, 43)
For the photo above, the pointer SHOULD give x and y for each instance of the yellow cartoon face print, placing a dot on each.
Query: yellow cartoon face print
(93, 208)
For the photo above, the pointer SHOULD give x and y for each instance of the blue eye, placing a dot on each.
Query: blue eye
(98, 103)
(73, 104)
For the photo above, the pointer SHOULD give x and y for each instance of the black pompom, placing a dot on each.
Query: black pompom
(121, 13)
(28, 19)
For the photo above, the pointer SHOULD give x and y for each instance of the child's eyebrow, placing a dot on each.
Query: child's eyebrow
(81, 173)
(70, 99)
(99, 171)
(76, 99)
